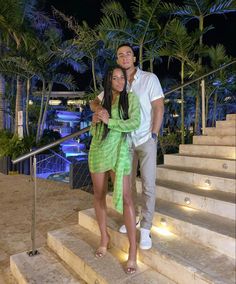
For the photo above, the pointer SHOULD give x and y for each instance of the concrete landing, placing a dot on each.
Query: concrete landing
(41, 269)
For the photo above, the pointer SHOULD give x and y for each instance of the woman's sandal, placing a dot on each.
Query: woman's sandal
(101, 251)
(131, 267)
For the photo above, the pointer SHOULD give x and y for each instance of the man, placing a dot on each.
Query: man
(147, 88)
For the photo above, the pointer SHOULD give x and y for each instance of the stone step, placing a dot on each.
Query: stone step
(226, 123)
(200, 162)
(231, 116)
(215, 140)
(76, 246)
(220, 131)
(179, 259)
(207, 229)
(42, 268)
(203, 179)
(212, 201)
(225, 152)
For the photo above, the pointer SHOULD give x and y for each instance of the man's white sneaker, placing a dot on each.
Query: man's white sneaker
(123, 230)
(145, 239)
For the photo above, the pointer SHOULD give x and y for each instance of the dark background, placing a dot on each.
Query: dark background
(89, 11)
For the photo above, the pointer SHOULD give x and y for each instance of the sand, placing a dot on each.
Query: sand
(57, 207)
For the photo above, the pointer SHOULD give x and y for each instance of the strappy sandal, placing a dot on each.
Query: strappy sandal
(131, 267)
(101, 251)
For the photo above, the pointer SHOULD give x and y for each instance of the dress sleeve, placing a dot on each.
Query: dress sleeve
(133, 122)
(93, 130)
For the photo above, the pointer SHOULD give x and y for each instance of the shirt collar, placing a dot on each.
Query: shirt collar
(137, 74)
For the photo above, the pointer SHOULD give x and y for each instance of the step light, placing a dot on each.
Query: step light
(163, 222)
(187, 200)
(162, 231)
(225, 166)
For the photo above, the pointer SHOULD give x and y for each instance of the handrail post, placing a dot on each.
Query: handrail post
(203, 106)
(33, 220)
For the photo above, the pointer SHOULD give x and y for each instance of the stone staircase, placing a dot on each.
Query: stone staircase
(193, 228)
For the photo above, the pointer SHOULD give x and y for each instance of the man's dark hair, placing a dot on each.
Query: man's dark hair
(126, 44)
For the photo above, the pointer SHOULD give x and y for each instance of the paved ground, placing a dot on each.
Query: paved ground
(57, 207)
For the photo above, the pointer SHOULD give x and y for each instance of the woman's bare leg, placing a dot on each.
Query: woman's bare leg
(130, 222)
(100, 183)
(129, 218)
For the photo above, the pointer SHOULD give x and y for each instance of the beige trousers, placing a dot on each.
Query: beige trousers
(145, 154)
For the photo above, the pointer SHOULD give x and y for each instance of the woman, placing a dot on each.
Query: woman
(109, 155)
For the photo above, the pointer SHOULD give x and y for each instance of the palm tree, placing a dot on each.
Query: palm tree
(199, 10)
(181, 46)
(115, 27)
(221, 80)
(10, 15)
(87, 40)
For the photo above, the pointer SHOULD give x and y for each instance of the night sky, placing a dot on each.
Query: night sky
(89, 10)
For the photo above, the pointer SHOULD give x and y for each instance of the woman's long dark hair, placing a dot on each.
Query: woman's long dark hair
(123, 105)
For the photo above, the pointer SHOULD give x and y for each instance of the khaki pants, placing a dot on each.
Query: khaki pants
(145, 154)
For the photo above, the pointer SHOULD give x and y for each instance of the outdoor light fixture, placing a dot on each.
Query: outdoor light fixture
(163, 231)
(163, 222)
(207, 182)
(225, 166)
(186, 208)
(187, 200)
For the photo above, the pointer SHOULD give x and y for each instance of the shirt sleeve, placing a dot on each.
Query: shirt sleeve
(155, 88)
(133, 122)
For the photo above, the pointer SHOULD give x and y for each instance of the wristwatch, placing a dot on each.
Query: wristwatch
(154, 136)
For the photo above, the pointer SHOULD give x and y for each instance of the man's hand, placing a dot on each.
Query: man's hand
(95, 105)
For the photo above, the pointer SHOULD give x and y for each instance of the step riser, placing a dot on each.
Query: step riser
(212, 131)
(214, 206)
(76, 263)
(17, 273)
(223, 166)
(196, 233)
(214, 140)
(225, 123)
(225, 152)
(167, 267)
(199, 180)
(231, 116)
(211, 239)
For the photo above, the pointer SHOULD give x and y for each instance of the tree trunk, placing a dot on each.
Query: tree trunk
(196, 126)
(151, 65)
(19, 102)
(214, 110)
(182, 103)
(94, 76)
(41, 111)
(45, 110)
(141, 56)
(2, 103)
(27, 106)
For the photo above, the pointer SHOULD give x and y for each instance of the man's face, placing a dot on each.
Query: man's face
(125, 57)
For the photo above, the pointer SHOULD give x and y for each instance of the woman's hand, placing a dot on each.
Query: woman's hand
(103, 115)
(95, 118)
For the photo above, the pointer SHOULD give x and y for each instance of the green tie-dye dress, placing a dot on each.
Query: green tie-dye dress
(113, 153)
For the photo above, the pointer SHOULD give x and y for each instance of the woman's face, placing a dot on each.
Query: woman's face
(118, 80)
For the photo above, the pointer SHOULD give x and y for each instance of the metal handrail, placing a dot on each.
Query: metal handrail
(48, 146)
(53, 144)
(199, 78)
